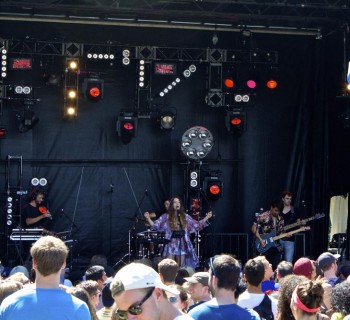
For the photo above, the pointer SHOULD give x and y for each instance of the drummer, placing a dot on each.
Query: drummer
(153, 215)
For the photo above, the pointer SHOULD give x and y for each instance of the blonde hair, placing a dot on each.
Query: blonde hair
(49, 254)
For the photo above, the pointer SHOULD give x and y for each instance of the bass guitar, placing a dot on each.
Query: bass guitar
(304, 221)
(271, 237)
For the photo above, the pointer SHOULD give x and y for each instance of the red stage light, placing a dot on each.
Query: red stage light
(128, 126)
(214, 189)
(2, 132)
(95, 92)
(271, 84)
(251, 84)
(229, 83)
(236, 121)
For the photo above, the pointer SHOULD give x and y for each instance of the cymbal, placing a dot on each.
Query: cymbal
(135, 219)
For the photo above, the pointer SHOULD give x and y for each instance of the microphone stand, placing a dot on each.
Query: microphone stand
(70, 220)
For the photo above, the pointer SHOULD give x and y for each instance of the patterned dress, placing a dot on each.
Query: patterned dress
(174, 246)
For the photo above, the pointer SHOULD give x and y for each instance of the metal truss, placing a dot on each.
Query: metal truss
(148, 53)
(287, 13)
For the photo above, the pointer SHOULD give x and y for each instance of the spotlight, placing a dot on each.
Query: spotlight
(126, 53)
(93, 89)
(43, 182)
(167, 120)
(35, 182)
(126, 61)
(28, 121)
(196, 143)
(251, 84)
(187, 73)
(238, 98)
(71, 111)
(127, 126)
(245, 98)
(192, 68)
(72, 64)
(236, 122)
(2, 132)
(271, 84)
(89, 55)
(213, 187)
(72, 94)
(229, 83)
(194, 179)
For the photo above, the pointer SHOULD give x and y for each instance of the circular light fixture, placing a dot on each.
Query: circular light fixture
(9, 199)
(245, 98)
(194, 175)
(192, 68)
(72, 94)
(271, 84)
(238, 98)
(9, 210)
(126, 53)
(126, 61)
(167, 120)
(142, 61)
(35, 182)
(193, 183)
(19, 89)
(43, 182)
(177, 80)
(161, 94)
(111, 56)
(197, 142)
(141, 84)
(105, 56)
(73, 65)
(94, 55)
(89, 55)
(71, 111)
(187, 73)
(3, 51)
(9, 222)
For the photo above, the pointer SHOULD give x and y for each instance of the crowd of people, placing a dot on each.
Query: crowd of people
(163, 290)
(266, 287)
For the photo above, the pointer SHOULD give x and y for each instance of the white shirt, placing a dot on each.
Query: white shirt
(251, 300)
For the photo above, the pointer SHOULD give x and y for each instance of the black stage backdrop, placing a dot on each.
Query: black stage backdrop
(99, 182)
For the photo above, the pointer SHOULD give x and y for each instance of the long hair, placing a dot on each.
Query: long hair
(173, 220)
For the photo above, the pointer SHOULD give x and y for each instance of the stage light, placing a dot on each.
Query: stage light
(178, 80)
(72, 94)
(126, 53)
(187, 73)
(28, 121)
(213, 187)
(111, 56)
(2, 132)
(162, 94)
(100, 56)
(72, 64)
(167, 120)
(35, 182)
(126, 61)
(238, 98)
(127, 126)
(89, 55)
(194, 179)
(196, 143)
(71, 111)
(245, 98)
(93, 89)
(251, 84)
(229, 83)
(236, 122)
(192, 68)
(105, 56)
(43, 182)
(95, 55)
(271, 84)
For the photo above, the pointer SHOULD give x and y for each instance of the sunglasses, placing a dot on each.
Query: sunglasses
(211, 266)
(134, 310)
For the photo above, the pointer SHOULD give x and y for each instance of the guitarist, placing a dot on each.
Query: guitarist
(290, 215)
(265, 223)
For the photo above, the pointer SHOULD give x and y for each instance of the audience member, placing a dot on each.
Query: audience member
(138, 291)
(98, 274)
(180, 301)
(328, 265)
(107, 300)
(167, 270)
(101, 260)
(284, 269)
(181, 275)
(83, 295)
(285, 296)
(8, 287)
(306, 300)
(91, 288)
(306, 267)
(340, 300)
(199, 288)
(224, 279)
(45, 300)
(254, 297)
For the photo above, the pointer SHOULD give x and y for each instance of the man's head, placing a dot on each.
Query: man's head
(268, 267)
(96, 273)
(138, 290)
(284, 268)
(287, 198)
(254, 272)
(226, 270)
(327, 261)
(305, 267)
(91, 288)
(199, 286)
(274, 208)
(168, 269)
(49, 255)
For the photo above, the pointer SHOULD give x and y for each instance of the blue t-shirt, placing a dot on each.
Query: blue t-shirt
(43, 304)
(208, 311)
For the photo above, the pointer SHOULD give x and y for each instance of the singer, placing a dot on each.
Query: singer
(32, 215)
(178, 226)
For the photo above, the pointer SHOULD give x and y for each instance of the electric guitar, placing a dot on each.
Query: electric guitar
(304, 221)
(271, 237)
